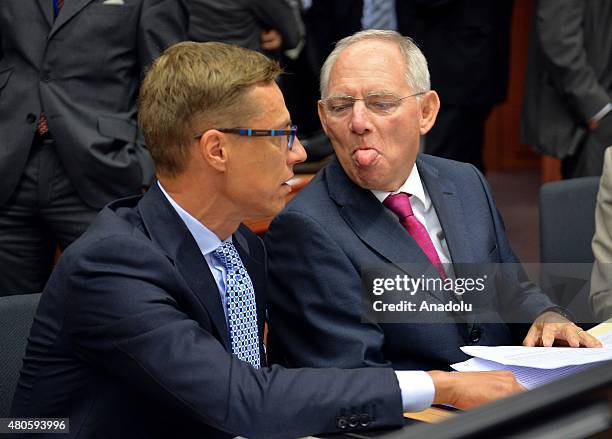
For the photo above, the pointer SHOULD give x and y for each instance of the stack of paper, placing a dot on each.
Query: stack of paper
(534, 367)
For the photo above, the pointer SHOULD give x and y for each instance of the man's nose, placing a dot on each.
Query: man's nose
(360, 121)
(297, 153)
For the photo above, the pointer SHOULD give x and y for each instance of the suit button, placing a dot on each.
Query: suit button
(46, 77)
(364, 420)
(31, 118)
(353, 421)
(475, 336)
(342, 423)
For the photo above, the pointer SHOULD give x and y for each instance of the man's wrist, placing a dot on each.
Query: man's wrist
(443, 386)
(561, 311)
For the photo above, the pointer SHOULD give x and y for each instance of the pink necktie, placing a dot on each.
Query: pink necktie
(399, 204)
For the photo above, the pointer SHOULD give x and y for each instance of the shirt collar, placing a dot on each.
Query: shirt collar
(205, 238)
(413, 186)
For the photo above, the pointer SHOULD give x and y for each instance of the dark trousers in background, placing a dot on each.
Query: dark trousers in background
(458, 134)
(588, 159)
(44, 211)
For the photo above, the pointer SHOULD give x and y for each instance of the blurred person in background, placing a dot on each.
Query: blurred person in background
(263, 25)
(69, 141)
(466, 43)
(601, 278)
(568, 90)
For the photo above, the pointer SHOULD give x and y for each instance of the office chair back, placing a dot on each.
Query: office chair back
(567, 226)
(567, 220)
(16, 316)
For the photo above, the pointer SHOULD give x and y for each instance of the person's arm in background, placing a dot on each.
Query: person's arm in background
(282, 16)
(601, 278)
(162, 24)
(559, 27)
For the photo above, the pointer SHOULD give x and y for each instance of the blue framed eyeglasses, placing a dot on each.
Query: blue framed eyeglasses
(291, 133)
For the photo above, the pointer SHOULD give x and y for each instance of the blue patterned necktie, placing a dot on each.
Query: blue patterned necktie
(241, 305)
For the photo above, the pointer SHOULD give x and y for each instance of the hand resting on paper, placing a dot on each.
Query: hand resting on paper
(552, 328)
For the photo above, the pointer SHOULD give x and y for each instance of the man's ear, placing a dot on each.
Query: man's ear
(429, 107)
(213, 149)
(322, 115)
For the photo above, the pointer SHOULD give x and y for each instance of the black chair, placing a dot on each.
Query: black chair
(16, 316)
(567, 225)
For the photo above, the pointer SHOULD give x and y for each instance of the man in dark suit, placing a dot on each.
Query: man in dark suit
(152, 323)
(467, 47)
(69, 142)
(268, 25)
(375, 105)
(567, 112)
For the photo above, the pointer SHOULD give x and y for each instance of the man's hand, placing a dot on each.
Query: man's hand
(466, 390)
(271, 40)
(550, 327)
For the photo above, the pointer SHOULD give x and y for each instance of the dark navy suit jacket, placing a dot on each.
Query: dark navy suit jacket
(130, 341)
(332, 230)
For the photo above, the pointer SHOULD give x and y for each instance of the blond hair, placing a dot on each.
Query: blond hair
(417, 73)
(192, 87)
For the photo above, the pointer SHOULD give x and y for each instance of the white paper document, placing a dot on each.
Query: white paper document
(543, 358)
(529, 377)
(534, 367)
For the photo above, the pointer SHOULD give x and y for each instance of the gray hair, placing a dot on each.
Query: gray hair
(417, 73)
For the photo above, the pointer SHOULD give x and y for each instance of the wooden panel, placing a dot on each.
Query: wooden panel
(503, 150)
(551, 169)
(431, 415)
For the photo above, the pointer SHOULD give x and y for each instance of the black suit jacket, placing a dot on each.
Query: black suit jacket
(333, 230)
(130, 341)
(83, 69)
(465, 42)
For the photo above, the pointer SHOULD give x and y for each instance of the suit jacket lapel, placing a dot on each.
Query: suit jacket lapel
(169, 232)
(46, 8)
(69, 10)
(444, 197)
(371, 223)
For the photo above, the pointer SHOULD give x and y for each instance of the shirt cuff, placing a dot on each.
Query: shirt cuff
(417, 389)
(601, 113)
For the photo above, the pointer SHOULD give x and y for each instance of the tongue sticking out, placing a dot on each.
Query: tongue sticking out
(365, 157)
